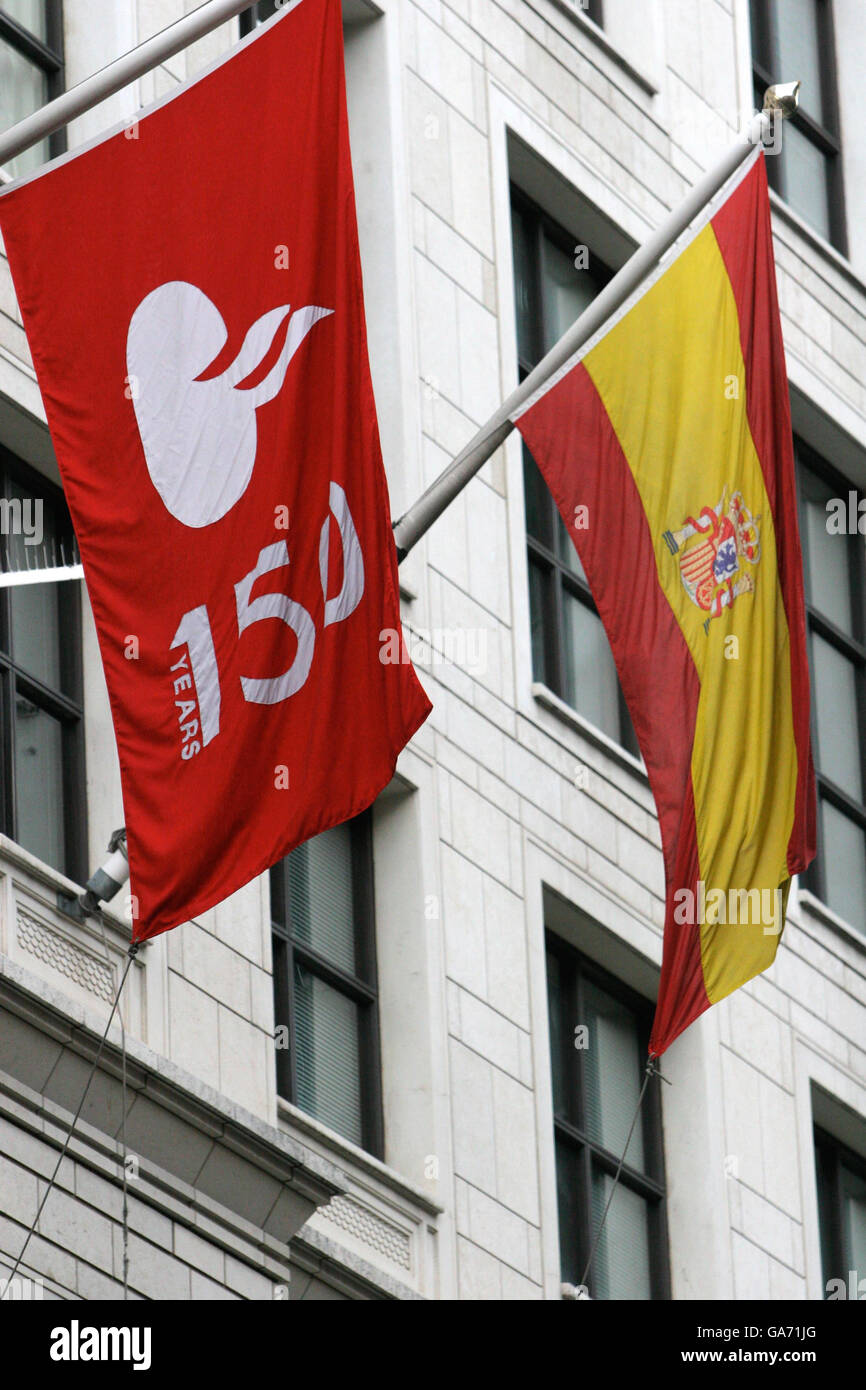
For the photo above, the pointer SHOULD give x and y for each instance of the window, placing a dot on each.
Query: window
(257, 14)
(570, 651)
(325, 981)
(31, 71)
(593, 9)
(794, 39)
(599, 1034)
(42, 797)
(835, 581)
(841, 1209)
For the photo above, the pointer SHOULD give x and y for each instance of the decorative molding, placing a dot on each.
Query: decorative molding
(56, 951)
(370, 1229)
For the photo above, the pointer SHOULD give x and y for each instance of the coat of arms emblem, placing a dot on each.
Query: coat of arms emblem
(714, 550)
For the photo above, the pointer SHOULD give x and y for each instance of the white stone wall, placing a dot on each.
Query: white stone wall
(486, 820)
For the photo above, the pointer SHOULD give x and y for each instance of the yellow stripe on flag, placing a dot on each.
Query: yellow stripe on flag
(672, 379)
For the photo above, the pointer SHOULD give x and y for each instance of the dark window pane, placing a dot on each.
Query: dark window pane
(827, 1219)
(23, 89)
(835, 686)
(282, 1013)
(539, 504)
(539, 584)
(827, 557)
(30, 14)
(853, 1193)
(759, 43)
(569, 1183)
(36, 630)
(524, 295)
(558, 1023)
(621, 1265)
(567, 550)
(841, 1176)
(800, 52)
(279, 907)
(613, 1074)
(591, 684)
(34, 608)
(44, 803)
(567, 291)
(806, 179)
(321, 905)
(842, 846)
(327, 1055)
(39, 783)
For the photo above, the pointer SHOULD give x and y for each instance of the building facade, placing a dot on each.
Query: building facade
(403, 1064)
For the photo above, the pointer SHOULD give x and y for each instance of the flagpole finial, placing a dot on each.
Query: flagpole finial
(783, 99)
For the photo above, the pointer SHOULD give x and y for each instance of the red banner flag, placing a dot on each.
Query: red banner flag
(191, 292)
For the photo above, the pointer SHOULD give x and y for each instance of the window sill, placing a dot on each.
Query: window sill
(381, 1218)
(359, 1158)
(549, 701)
(51, 878)
(813, 907)
(816, 241)
(601, 40)
(77, 959)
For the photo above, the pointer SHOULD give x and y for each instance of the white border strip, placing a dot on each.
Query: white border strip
(671, 255)
(53, 575)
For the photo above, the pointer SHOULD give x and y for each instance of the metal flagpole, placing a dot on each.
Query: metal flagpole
(780, 100)
(118, 74)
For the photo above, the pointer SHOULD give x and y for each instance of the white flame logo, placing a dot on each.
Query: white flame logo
(199, 437)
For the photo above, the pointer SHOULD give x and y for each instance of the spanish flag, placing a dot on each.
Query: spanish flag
(666, 443)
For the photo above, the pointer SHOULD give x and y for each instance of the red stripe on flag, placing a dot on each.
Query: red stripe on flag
(570, 436)
(743, 231)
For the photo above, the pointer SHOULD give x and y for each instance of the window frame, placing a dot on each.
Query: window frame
(67, 708)
(570, 1129)
(852, 648)
(361, 988)
(825, 137)
(48, 56)
(558, 577)
(250, 19)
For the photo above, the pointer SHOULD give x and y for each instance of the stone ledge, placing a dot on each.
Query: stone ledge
(601, 40)
(811, 909)
(341, 1269)
(152, 1188)
(174, 1122)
